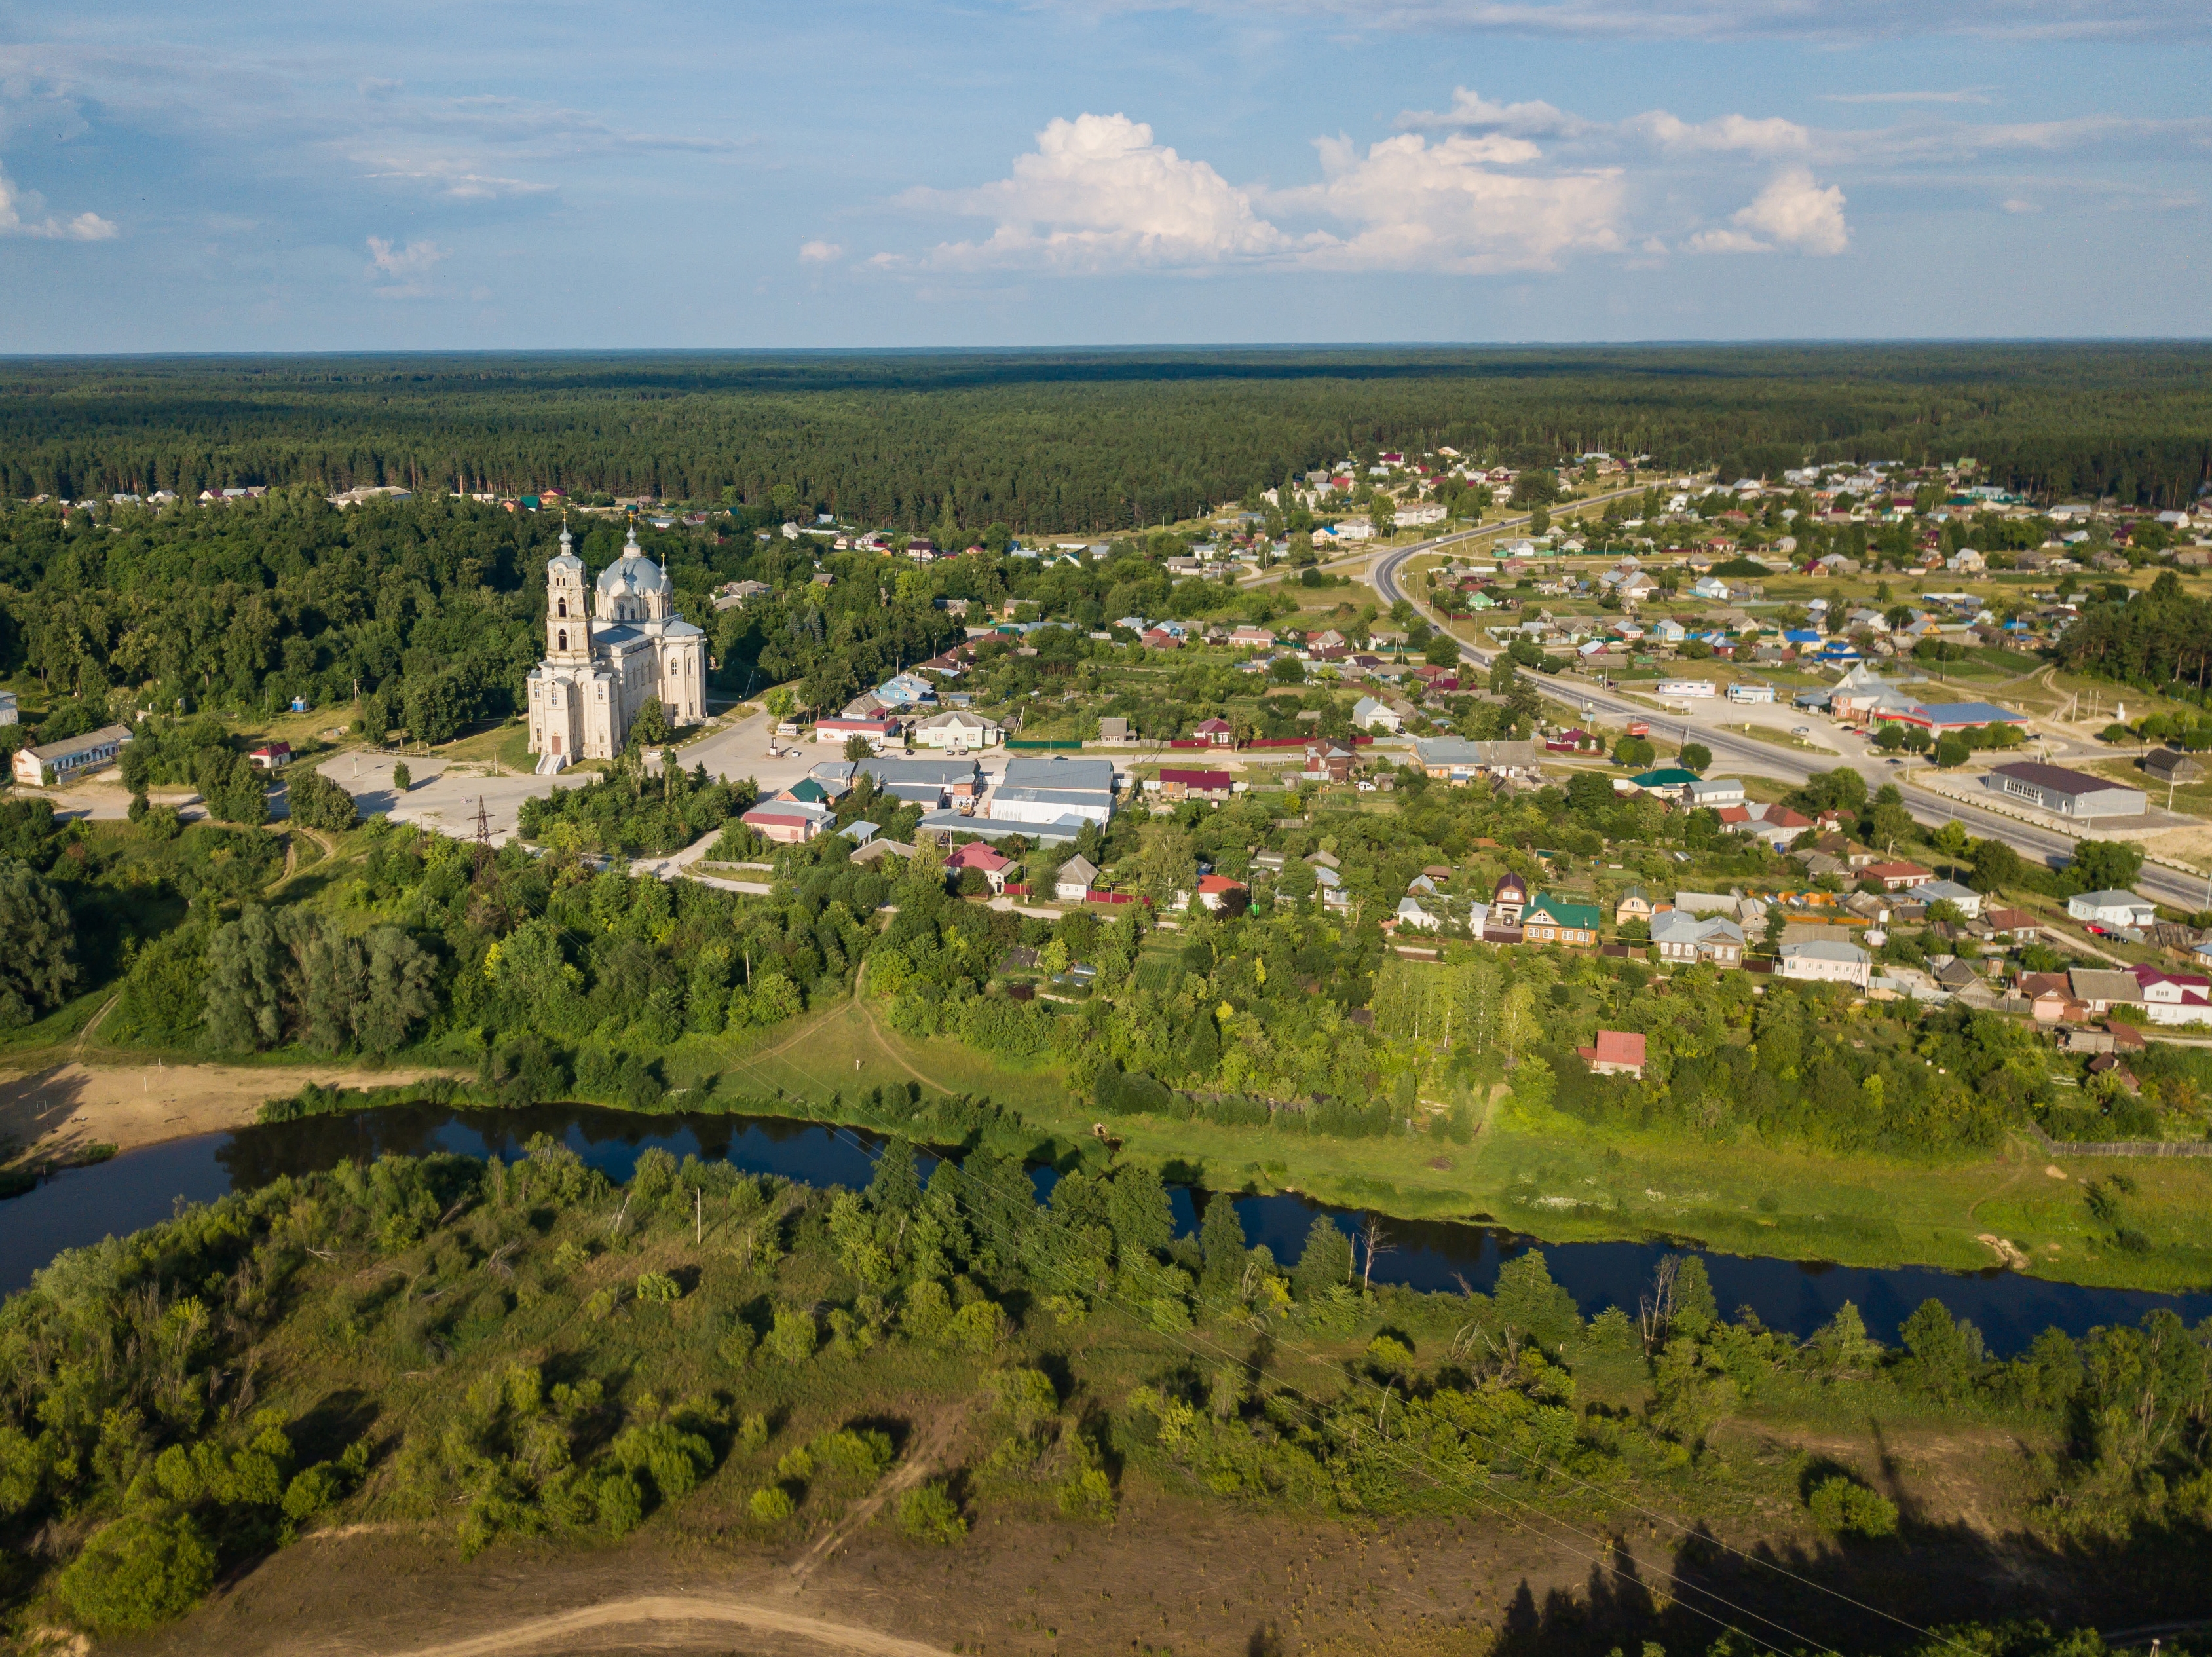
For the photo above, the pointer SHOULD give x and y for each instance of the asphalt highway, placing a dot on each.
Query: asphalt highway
(1744, 753)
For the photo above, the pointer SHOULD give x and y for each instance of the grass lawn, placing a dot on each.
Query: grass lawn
(1553, 1175)
(1767, 733)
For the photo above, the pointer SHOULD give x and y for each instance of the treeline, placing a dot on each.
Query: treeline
(2159, 640)
(701, 1317)
(1071, 442)
(431, 613)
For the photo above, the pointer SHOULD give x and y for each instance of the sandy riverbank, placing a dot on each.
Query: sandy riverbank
(58, 1110)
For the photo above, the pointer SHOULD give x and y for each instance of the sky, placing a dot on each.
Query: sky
(477, 175)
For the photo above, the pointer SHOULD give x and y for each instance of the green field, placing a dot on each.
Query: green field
(1549, 1174)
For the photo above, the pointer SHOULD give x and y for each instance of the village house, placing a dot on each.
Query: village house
(56, 763)
(1552, 920)
(1825, 963)
(787, 822)
(1327, 762)
(1685, 940)
(1509, 899)
(1073, 883)
(1618, 1052)
(976, 855)
(1181, 785)
(1367, 714)
(959, 730)
(1213, 891)
(2110, 908)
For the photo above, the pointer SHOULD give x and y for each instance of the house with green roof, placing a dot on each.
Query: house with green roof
(1552, 920)
(1671, 780)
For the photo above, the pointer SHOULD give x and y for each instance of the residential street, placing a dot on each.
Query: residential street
(2046, 846)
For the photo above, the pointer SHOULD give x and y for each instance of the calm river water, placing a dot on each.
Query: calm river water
(83, 1205)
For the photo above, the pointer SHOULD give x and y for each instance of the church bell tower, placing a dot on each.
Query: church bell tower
(568, 629)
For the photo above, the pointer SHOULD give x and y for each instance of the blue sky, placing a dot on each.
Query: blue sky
(308, 177)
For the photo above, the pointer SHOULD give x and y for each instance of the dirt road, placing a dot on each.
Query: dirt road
(56, 1112)
(570, 1630)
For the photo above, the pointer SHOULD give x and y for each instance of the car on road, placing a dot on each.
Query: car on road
(1801, 730)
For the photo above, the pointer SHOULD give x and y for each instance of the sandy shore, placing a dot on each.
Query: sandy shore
(56, 1111)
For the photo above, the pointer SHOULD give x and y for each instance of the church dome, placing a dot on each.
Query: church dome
(632, 576)
(566, 558)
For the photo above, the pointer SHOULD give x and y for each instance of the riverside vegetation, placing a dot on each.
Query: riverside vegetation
(1282, 1041)
(494, 1352)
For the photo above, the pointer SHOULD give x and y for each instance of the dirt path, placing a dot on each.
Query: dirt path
(868, 1016)
(922, 1460)
(56, 1112)
(558, 1630)
(94, 1022)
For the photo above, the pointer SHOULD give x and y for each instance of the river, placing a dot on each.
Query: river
(82, 1206)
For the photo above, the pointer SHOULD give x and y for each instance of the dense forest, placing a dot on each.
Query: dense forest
(1050, 442)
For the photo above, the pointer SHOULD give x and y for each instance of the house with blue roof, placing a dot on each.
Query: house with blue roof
(905, 690)
(1940, 719)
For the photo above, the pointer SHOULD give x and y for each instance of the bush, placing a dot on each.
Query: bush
(855, 1455)
(927, 1512)
(770, 1504)
(794, 1336)
(621, 1505)
(1843, 1506)
(140, 1570)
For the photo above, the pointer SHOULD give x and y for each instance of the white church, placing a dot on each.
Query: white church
(600, 670)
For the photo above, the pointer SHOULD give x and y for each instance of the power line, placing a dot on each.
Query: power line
(840, 1130)
(1452, 1476)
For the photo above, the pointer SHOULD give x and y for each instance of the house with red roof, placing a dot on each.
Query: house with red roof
(1897, 877)
(2175, 997)
(978, 855)
(1213, 890)
(1180, 785)
(1618, 1052)
(1219, 732)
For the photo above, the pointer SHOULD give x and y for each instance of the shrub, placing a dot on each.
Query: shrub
(672, 1459)
(621, 1504)
(927, 1512)
(858, 1455)
(979, 1328)
(1088, 1494)
(1843, 1506)
(140, 1570)
(770, 1504)
(794, 1336)
(658, 1286)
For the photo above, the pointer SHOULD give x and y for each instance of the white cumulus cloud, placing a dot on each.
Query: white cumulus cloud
(821, 253)
(1793, 211)
(1740, 134)
(23, 213)
(1413, 205)
(391, 260)
(1099, 193)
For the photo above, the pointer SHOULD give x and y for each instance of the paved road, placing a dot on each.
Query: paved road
(2047, 846)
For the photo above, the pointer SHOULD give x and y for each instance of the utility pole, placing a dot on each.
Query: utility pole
(483, 837)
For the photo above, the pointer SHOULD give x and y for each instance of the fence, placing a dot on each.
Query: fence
(1069, 746)
(2120, 1147)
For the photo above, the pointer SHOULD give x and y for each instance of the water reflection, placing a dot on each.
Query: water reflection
(83, 1205)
